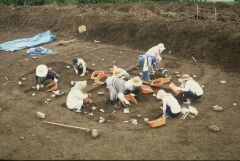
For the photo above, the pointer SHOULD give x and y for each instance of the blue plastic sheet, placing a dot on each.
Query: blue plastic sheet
(39, 51)
(19, 44)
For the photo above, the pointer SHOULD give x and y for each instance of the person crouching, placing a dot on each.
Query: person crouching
(43, 74)
(190, 88)
(79, 66)
(171, 107)
(76, 96)
(117, 87)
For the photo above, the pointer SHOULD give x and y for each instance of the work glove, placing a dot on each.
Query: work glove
(55, 80)
(38, 87)
(127, 104)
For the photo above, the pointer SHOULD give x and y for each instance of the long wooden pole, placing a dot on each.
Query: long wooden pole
(64, 125)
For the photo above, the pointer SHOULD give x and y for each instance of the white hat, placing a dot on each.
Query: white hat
(41, 70)
(118, 72)
(161, 47)
(136, 81)
(185, 77)
(81, 84)
(161, 93)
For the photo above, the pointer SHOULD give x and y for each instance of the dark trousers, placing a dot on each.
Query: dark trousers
(190, 94)
(169, 112)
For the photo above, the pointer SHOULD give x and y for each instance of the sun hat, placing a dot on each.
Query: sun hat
(41, 70)
(161, 47)
(81, 84)
(118, 72)
(161, 93)
(184, 77)
(136, 81)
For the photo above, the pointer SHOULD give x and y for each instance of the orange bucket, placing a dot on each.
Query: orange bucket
(158, 122)
(173, 87)
(160, 81)
(95, 74)
(131, 98)
(101, 78)
(146, 89)
(52, 86)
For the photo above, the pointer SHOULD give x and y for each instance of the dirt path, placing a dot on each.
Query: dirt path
(23, 136)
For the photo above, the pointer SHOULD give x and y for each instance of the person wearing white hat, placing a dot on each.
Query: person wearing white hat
(190, 88)
(76, 96)
(156, 51)
(117, 87)
(43, 74)
(120, 73)
(149, 61)
(79, 66)
(171, 107)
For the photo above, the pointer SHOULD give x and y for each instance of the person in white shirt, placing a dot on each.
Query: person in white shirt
(76, 96)
(171, 107)
(117, 87)
(79, 66)
(149, 61)
(190, 88)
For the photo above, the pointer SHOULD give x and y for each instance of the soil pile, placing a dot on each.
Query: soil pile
(209, 37)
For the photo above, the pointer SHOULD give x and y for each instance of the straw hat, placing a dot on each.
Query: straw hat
(118, 72)
(41, 70)
(185, 77)
(161, 93)
(81, 84)
(136, 81)
(161, 47)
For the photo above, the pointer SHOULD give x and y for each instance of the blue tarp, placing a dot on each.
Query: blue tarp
(18, 44)
(39, 51)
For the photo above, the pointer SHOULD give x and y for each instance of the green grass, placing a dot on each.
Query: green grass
(42, 2)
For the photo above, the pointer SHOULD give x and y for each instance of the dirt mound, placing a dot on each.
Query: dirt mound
(209, 39)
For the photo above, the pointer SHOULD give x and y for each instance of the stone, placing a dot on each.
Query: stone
(101, 110)
(223, 81)
(94, 107)
(41, 115)
(21, 138)
(0, 109)
(34, 94)
(234, 104)
(146, 119)
(101, 120)
(214, 128)
(217, 108)
(68, 66)
(101, 93)
(24, 79)
(126, 110)
(95, 133)
(82, 29)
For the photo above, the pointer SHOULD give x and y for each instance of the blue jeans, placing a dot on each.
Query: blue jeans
(145, 74)
(190, 94)
(169, 112)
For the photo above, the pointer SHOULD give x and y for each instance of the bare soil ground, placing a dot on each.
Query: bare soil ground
(125, 31)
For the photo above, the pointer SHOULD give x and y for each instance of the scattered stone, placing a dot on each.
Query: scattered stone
(48, 99)
(0, 109)
(101, 93)
(214, 128)
(120, 52)
(154, 95)
(194, 76)
(96, 41)
(72, 83)
(217, 108)
(85, 112)
(223, 81)
(20, 83)
(101, 110)
(134, 121)
(95, 133)
(93, 64)
(68, 66)
(34, 94)
(178, 76)
(101, 120)
(34, 57)
(90, 114)
(94, 107)
(27, 59)
(82, 29)
(103, 59)
(169, 51)
(203, 86)
(146, 119)
(53, 95)
(139, 115)
(21, 138)
(24, 79)
(126, 110)
(176, 72)
(125, 121)
(41, 115)
(234, 104)
(46, 102)
(113, 61)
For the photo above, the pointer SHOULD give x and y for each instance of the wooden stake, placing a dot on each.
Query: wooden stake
(215, 13)
(197, 11)
(194, 59)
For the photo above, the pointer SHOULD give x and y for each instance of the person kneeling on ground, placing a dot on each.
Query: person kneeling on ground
(171, 107)
(118, 86)
(190, 88)
(76, 96)
(43, 74)
(79, 66)
(120, 73)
